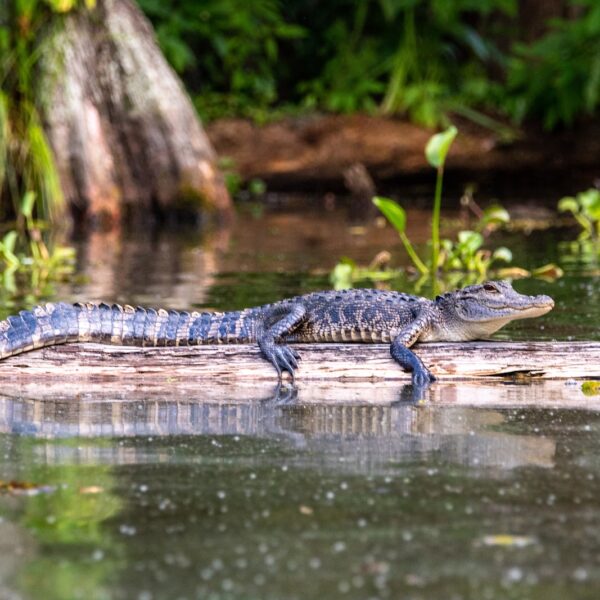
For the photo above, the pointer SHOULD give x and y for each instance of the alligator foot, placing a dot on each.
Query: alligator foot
(275, 324)
(408, 360)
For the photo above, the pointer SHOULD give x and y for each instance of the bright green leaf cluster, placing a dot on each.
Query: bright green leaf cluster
(467, 254)
(585, 207)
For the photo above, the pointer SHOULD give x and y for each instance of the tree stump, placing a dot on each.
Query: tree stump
(125, 136)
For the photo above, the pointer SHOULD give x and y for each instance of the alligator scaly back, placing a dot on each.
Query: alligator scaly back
(53, 324)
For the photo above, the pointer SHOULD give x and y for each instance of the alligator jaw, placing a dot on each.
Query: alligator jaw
(538, 306)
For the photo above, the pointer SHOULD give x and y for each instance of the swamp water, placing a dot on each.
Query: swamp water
(484, 491)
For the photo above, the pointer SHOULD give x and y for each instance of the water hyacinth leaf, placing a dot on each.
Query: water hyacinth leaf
(439, 145)
(496, 215)
(502, 253)
(549, 271)
(590, 202)
(392, 211)
(568, 203)
(470, 240)
(512, 273)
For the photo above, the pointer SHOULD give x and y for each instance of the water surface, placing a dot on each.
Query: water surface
(481, 491)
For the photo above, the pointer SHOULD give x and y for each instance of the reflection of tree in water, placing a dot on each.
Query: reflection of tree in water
(371, 435)
(152, 267)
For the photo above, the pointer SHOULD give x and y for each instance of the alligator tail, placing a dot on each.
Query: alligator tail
(53, 324)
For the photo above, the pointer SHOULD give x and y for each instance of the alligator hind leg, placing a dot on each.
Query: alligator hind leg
(275, 323)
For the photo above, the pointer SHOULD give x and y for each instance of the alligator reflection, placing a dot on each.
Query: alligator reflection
(352, 434)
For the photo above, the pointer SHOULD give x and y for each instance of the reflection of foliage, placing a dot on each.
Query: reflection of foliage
(76, 517)
(72, 518)
(27, 264)
(53, 579)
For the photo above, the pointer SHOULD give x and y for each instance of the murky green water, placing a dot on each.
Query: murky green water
(482, 492)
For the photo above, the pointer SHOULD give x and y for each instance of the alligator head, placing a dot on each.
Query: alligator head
(477, 311)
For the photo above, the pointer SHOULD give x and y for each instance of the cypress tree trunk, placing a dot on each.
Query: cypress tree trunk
(125, 136)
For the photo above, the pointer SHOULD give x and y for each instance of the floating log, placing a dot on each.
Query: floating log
(320, 362)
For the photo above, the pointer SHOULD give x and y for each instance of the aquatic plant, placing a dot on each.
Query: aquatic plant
(466, 252)
(464, 256)
(28, 264)
(585, 207)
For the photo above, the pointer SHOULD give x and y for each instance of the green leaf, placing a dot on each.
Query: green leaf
(568, 203)
(470, 240)
(549, 271)
(341, 276)
(495, 214)
(502, 253)
(590, 202)
(9, 241)
(27, 204)
(392, 211)
(589, 198)
(438, 146)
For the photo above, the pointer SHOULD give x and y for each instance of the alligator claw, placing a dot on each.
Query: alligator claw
(282, 358)
(422, 378)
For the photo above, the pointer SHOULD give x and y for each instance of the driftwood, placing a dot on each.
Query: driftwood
(320, 362)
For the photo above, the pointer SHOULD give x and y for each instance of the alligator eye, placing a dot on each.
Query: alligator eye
(488, 287)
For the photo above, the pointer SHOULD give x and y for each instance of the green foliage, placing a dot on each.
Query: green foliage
(438, 147)
(585, 207)
(396, 215)
(28, 265)
(26, 161)
(233, 180)
(422, 58)
(228, 49)
(464, 256)
(558, 76)
(30, 191)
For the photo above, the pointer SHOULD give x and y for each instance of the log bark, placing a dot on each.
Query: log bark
(320, 362)
(125, 135)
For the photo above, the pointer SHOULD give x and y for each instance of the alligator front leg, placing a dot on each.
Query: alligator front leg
(276, 323)
(421, 377)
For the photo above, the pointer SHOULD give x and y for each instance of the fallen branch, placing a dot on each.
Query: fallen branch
(330, 362)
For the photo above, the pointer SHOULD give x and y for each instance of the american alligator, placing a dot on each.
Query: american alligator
(360, 315)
